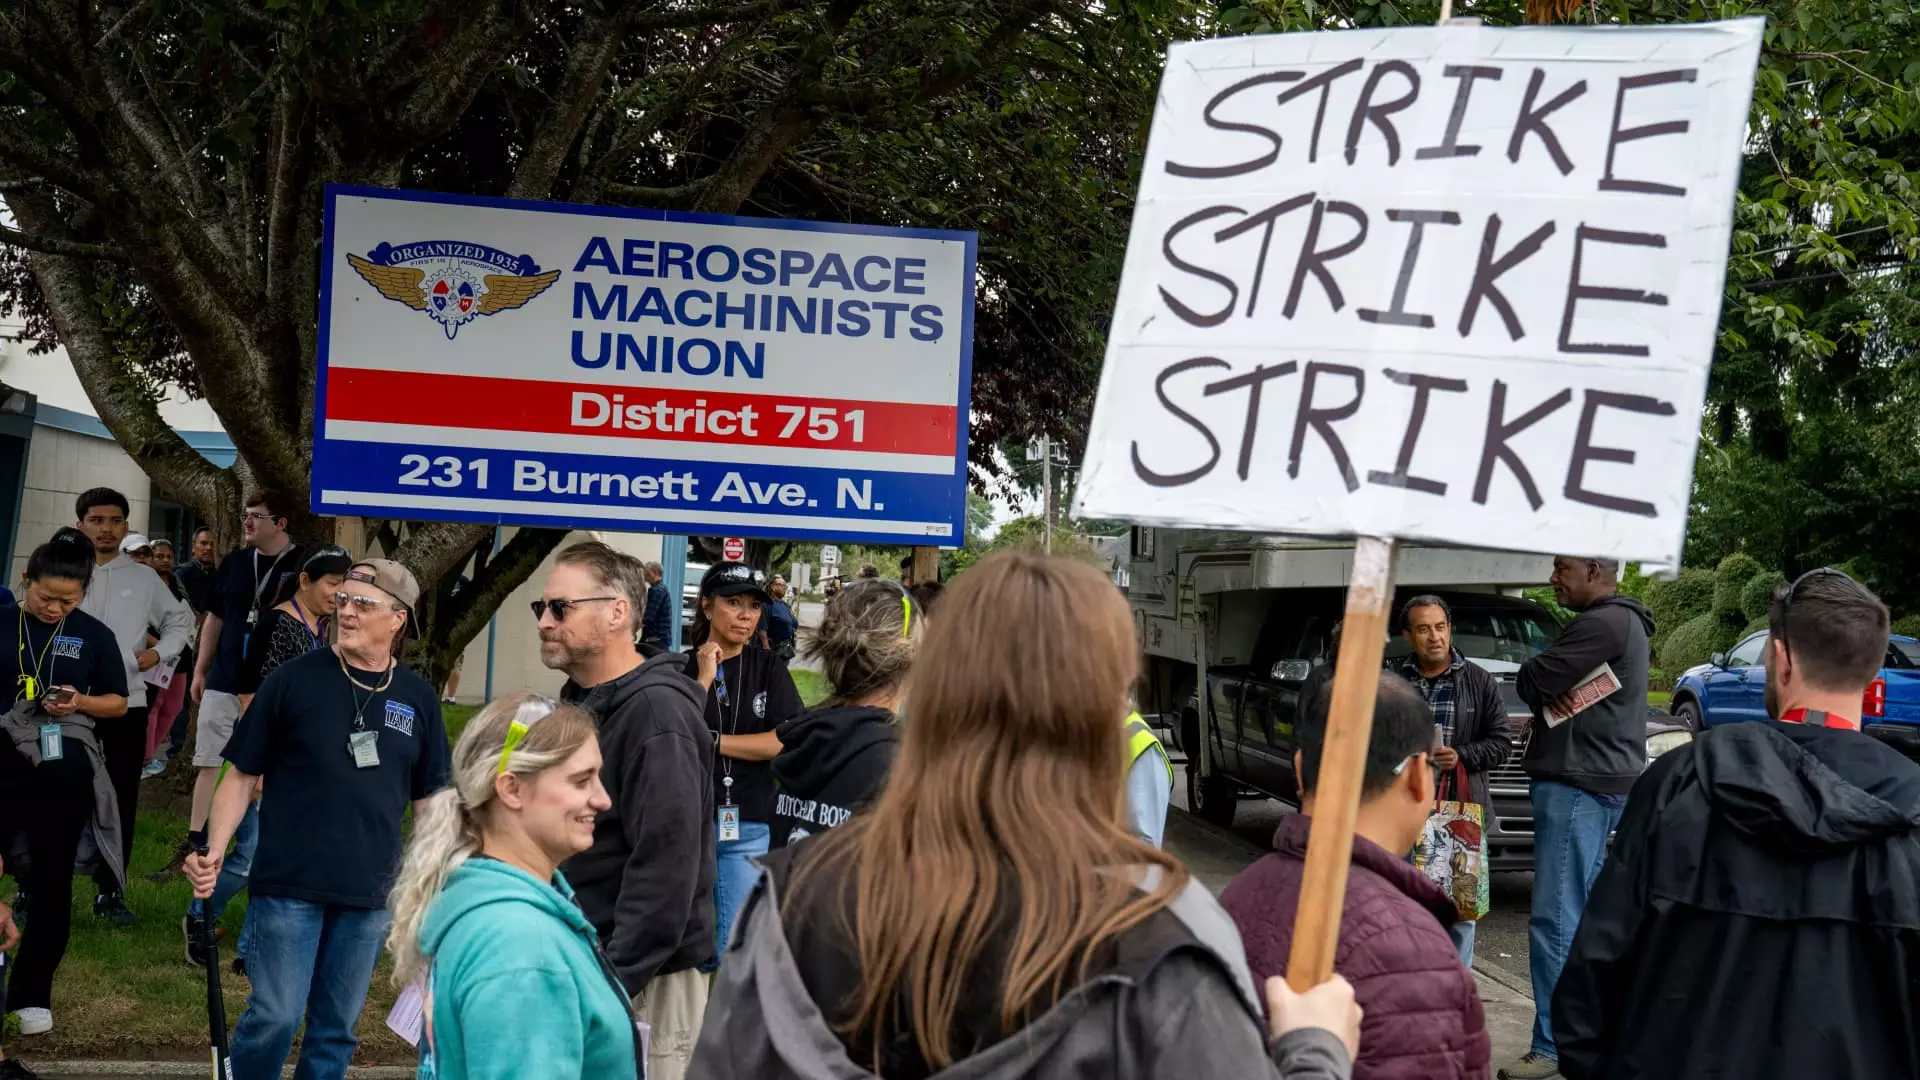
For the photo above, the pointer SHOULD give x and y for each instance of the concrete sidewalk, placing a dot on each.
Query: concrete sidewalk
(1215, 856)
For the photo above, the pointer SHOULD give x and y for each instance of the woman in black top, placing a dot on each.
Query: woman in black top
(749, 694)
(299, 621)
(834, 760)
(65, 670)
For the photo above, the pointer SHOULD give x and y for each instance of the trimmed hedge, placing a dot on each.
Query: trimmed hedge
(1730, 581)
(1676, 601)
(1909, 626)
(1756, 596)
(1697, 639)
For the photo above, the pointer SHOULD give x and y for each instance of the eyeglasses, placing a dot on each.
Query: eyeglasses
(365, 605)
(560, 608)
(1786, 598)
(252, 515)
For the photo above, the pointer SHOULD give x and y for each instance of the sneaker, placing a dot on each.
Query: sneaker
(1534, 1066)
(153, 768)
(196, 948)
(11, 1069)
(35, 1021)
(113, 908)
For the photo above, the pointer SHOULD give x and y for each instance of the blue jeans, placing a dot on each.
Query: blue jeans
(309, 962)
(233, 873)
(1462, 934)
(1570, 830)
(736, 877)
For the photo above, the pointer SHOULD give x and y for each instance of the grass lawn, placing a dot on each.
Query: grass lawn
(812, 686)
(129, 993)
(1659, 699)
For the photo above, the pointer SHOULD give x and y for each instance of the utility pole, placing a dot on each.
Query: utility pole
(1046, 484)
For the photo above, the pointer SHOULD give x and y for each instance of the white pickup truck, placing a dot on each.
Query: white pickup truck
(1254, 612)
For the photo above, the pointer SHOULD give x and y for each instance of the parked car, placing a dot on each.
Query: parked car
(1254, 706)
(1731, 687)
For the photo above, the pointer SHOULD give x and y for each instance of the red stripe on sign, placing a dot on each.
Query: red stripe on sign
(469, 401)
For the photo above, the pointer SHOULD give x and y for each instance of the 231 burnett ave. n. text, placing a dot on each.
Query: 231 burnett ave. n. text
(533, 476)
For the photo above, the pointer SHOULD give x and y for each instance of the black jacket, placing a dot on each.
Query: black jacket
(1604, 748)
(646, 884)
(1480, 732)
(832, 762)
(1758, 917)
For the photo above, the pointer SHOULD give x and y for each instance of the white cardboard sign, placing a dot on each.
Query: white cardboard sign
(1451, 283)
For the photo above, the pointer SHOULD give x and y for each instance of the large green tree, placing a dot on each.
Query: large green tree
(162, 163)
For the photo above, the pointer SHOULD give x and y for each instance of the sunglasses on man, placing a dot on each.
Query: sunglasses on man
(561, 608)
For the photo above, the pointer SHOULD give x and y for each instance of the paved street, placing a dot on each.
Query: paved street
(1500, 959)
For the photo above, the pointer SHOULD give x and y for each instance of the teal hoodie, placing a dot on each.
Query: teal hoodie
(517, 990)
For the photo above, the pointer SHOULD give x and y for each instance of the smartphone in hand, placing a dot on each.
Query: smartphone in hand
(60, 695)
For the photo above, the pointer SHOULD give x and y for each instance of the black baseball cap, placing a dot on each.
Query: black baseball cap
(732, 579)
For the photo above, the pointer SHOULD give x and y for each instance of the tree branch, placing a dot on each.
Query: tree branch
(657, 198)
(708, 16)
(54, 245)
(591, 56)
(124, 406)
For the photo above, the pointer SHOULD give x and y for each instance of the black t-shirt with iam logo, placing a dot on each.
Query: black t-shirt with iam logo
(759, 696)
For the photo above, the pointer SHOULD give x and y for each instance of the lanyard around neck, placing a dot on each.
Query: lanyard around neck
(35, 684)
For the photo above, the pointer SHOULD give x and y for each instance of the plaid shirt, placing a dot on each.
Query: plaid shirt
(1439, 691)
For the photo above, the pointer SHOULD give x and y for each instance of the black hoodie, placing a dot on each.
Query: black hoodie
(1758, 916)
(832, 762)
(646, 884)
(1603, 749)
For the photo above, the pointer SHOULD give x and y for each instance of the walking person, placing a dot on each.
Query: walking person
(68, 675)
(646, 883)
(1581, 770)
(129, 598)
(193, 582)
(656, 625)
(518, 982)
(242, 594)
(991, 913)
(1424, 1017)
(749, 695)
(1765, 871)
(1469, 719)
(346, 739)
(834, 760)
(169, 702)
(779, 626)
(299, 624)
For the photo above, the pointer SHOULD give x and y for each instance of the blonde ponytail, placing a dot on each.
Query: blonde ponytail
(449, 830)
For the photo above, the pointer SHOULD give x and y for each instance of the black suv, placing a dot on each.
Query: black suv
(1253, 705)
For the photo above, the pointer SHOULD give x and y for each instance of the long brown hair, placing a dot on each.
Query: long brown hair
(1010, 782)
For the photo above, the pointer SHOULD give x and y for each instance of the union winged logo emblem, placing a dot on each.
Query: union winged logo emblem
(454, 282)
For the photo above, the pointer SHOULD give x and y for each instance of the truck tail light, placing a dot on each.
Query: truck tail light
(1874, 702)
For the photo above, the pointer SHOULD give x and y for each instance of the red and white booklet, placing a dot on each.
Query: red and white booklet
(1597, 684)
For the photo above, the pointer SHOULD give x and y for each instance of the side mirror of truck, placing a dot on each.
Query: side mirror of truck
(1292, 670)
(1718, 659)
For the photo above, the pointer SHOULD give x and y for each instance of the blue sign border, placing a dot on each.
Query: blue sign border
(971, 241)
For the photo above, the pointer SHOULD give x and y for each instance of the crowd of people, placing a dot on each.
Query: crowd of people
(953, 865)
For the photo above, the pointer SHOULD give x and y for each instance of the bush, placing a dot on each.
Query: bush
(1908, 626)
(1695, 640)
(1756, 596)
(1729, 582)
(1676, 601)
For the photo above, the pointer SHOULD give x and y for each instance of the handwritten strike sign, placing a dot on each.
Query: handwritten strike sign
(1451, 283)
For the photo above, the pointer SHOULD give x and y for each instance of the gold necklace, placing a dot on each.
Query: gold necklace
(348, 672)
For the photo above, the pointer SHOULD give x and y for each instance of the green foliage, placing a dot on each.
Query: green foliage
(1677, 601)
(1729, 579)
(1756, 596)
(1908, 625)
(1544, 597)
(1693, 641)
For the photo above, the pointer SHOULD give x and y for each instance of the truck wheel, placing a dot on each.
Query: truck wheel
(1213, 799)
(1688, 713)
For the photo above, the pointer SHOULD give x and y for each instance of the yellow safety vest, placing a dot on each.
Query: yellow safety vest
(1140, 739)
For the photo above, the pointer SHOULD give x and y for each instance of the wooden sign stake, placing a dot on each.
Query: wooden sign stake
(1343, 762)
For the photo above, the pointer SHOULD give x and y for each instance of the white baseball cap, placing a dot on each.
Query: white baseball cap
(134, 542)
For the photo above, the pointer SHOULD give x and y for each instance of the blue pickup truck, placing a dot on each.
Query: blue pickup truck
(1732, 687)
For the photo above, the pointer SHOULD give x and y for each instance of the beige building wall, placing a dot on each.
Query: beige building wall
(61, 465)
(516, 640)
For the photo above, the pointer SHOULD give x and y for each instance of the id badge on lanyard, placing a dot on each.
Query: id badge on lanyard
(53, 744)
(728, 818)
(365, 748)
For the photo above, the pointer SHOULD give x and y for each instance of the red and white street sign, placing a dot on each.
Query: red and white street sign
(735, 549)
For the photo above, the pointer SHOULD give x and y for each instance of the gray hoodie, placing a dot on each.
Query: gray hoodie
(129, 598)
(1193, 1013)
